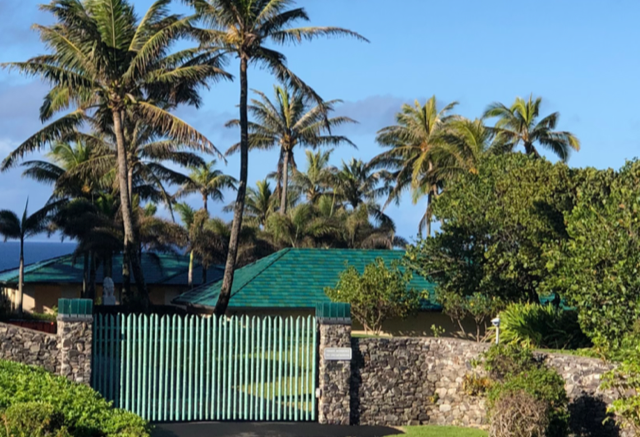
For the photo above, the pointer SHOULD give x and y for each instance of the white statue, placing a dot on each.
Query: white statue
(108, 298)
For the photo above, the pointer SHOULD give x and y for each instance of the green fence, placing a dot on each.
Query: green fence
(192, 368)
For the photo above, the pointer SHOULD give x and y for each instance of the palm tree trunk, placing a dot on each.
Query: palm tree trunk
(191, 269)
(85, 274)
(204, 273)
(21, 277)
(238, 210)
(91, 293)
(130, 254)
(285, 183)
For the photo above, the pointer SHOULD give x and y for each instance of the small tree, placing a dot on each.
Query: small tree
(376, 295)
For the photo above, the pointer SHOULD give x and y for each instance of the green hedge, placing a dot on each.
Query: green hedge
(72, 409)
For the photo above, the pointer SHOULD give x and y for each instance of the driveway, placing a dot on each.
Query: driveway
(263, 429)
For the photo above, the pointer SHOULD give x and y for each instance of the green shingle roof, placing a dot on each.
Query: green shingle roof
(166, 269)
(294, 278)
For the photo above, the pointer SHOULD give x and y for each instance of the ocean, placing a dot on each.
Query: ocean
(33, 252)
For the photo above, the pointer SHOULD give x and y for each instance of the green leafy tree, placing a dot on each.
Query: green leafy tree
(107, 63)
(595, 269)
(624, 381)
(14, 228)
(250, 30)
(414, 142)
(497, 227)
(379, 293)
(289, 122)
(519, 124)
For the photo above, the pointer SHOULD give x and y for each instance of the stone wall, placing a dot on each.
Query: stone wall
(400, 381)
(75, 336)
(334, 376)
(29, 347)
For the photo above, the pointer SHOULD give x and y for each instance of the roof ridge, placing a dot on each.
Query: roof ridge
(275, 258)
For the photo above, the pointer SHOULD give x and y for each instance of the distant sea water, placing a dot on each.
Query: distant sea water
(33, 252)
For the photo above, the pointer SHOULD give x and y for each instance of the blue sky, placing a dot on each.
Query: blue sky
(580, 56)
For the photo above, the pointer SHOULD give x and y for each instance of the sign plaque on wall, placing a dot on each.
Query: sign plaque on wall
(338, 354)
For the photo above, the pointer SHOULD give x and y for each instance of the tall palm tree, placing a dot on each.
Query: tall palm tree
(14, 228)
(289, 122)
(106, 62)
(249, 30)
(187, 217)
(302, 226)
(318, 178)
(420, 131)
(519, 124)
(208, 181)
(356, 183)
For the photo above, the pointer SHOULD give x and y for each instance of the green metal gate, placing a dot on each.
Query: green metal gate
(192, 368)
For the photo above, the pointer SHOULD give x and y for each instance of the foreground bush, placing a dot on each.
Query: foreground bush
(524, 386)
(624, 380)
(541, 326)
(64, 406)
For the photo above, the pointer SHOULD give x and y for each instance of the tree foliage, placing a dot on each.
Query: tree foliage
(379, 293)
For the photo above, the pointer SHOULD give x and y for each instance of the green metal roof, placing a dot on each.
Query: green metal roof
(158, 269)
(294, 278)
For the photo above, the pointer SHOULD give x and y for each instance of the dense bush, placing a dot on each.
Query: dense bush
(80, 409)
(541, 326)
(518, 376)
(624, 380)
(379, 293)
(33, 419)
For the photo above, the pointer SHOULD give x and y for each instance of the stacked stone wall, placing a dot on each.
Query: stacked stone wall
(28, 346)
(410, 381)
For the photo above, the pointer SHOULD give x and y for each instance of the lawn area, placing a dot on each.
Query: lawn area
(442, 431)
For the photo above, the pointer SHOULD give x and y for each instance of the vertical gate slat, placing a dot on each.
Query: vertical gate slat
(280, 366)
(237, 414)
(145, 365)
(290, 368)
(179, 371)
(263, 380)
(215, 392)
(315, 361)
(226, 382)
(191, 363)
(254, 363)
(307, 352)
(161, 381)
(296, 404)
(112, 357)
(234, 387)
(210, 338)
(120, 360)
(155, 383)
(171, 349)
(246, 384)
(127, 374)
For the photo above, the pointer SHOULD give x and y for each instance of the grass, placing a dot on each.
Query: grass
(442, 431)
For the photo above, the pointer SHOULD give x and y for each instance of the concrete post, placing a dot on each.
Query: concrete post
(334, 374)
(75, 337)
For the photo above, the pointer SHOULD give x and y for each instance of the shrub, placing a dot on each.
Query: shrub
(515, 370)
(625, 381)
(541, 326)
(33, 419)
(475, 385)
(85, 413)
(519, 414)
(376, 295)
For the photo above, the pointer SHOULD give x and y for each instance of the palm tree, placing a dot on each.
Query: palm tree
(355, 183)
(421, 131)
(259, 203)
(319, 177)
(249, 30)
(14, 228)
(519, 124)
(106, 62)
(208, 181)
(302, 226)
(187, 217)
(288, 123)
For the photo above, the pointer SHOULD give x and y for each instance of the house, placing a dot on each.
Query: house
(292, 282)
(62, 277)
